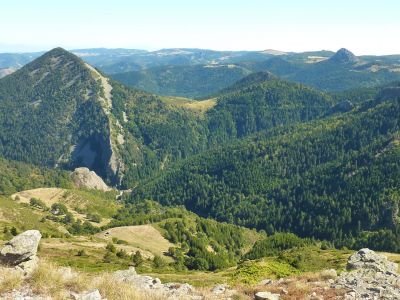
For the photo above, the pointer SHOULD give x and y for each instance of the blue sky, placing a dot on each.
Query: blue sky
(365, 27)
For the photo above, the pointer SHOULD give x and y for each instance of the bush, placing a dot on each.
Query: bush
(137, 259)
(158, 262)
(35, 202)
(122, 254)
(110, 247)
(275, 244)
(94, 218)
(14, 231)
(59, 209)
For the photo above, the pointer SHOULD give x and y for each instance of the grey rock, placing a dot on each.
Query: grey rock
(314, 296)
(21, 248)
(368, 259)
(24, 293)
(218, 289)
(370, 276)
(89, 295)
(83, 177)
(147, 283)
(266, 296)
(266, 282)
(27, 267)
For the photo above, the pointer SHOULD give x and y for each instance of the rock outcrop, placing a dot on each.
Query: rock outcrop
(84, 178)
(89, 295)
(20, 252)
(266, 296)
(370, 276)
(169, 291)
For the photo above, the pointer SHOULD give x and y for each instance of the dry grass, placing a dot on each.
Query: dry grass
(54, 282)
(113, 290)
(145, 237)
(200, 106)
(50, 280)
(9, 279)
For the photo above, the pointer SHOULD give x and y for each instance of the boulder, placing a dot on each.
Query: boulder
(84, 178)
(27, 267)
(89, 295)
(368, 259)
(266, 296)
(370, 276)
(21, 248)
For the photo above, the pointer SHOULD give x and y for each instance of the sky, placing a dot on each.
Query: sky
(364, 27)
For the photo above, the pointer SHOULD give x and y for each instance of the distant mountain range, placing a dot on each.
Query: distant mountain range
(197, 73)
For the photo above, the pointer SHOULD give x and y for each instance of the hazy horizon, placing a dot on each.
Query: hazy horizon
(362, 27)
(183, 48)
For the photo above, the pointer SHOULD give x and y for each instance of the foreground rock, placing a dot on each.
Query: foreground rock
(21, 251)
(370, 276)
(89, 295)
(169, 291)
(266, 296)
(84, 178)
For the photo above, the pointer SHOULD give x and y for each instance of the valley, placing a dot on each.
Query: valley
(260, 183)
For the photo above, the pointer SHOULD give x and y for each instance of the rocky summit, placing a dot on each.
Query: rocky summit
(370, 276)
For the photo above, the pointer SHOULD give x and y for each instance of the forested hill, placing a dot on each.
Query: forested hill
(52, 114)
(184, 81)
(333, 178)
(58, 111)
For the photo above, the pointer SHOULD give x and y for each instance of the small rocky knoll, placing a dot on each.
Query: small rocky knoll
(84, 178)
(370, 276)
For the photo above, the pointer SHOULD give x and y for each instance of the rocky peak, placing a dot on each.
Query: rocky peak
(343, 56)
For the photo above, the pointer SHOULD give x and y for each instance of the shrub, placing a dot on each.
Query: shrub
(35, 202)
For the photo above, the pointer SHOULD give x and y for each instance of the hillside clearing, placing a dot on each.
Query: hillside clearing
(78, 202)
(145, 237)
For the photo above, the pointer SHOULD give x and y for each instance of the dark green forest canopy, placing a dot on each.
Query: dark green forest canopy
(335, 178)
(51, 113)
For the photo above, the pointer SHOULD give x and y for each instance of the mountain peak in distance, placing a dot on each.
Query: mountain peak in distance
(343, 56)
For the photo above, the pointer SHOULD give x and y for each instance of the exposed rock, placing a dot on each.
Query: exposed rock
(27, 267)
(266, 296)
(266, 282)
(368, 259)
(21, 248)
(89, 295)
(314, 296)
(168, 290)
(83, 177)
(24, 293)
(219, 289)
(371, 276)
